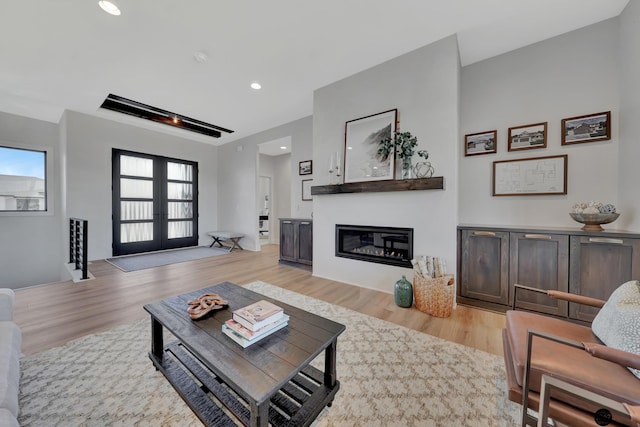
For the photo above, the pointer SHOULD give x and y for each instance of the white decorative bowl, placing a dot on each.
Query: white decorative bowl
(593, 221)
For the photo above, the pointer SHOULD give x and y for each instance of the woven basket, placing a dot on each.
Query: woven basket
(434, 296)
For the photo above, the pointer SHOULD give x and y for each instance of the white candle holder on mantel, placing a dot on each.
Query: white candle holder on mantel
(334, 169)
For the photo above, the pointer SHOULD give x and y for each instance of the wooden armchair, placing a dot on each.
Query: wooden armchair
(579, 380)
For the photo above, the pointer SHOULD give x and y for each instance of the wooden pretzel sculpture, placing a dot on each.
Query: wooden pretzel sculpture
(205, 304)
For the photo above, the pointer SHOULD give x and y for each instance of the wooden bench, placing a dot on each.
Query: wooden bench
(221, 236)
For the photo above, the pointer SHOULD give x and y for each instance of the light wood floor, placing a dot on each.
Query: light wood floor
(50, 315)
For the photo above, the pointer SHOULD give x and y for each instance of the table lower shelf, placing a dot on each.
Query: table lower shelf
(298, 403)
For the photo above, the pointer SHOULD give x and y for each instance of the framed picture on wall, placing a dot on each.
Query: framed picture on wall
(480, 143)
(534, 176)
(361, 140)
(306, 189)
(593, 127)
(305, 167)
(528, 137)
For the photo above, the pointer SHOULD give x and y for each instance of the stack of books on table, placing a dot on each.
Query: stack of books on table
(254, 322)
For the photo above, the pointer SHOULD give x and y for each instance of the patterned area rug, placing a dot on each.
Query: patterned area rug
(156, 259)
(390, 376)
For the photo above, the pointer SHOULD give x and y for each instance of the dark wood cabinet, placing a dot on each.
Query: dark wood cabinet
(492, 259)
(287, 240)
(296, 240)
(599, 264)
(485, 256)
(539, 260)
(305, 242)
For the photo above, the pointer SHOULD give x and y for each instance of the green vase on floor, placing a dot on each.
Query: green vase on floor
(403, 293)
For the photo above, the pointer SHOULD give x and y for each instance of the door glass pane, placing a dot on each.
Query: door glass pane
(136, 166)
(179, 171)
(136, 210)
(178, 210)
(136, 188)
(179, 191)
(137, 232)
(178, 229)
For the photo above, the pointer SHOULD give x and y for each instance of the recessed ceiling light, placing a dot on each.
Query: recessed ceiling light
(283, 148)
(256, 86)
(109, 7)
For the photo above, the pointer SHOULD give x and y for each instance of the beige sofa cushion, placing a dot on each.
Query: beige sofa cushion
(7, 419)
(6, 304)
(10, 345)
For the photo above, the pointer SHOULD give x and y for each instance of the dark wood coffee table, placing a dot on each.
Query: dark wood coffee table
(269, 382)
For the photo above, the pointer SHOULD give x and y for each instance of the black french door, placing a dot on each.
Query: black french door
(155, 203)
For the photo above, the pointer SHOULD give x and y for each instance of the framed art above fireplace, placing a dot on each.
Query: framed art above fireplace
(361, 139)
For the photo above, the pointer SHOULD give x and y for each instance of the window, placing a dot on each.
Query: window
(22, 180)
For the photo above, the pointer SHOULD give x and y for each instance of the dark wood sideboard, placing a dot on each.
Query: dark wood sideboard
(491, 260)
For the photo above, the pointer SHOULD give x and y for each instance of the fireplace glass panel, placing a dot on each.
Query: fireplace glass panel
(384, 245)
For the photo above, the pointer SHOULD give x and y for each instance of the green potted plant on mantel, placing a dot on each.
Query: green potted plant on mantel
(404, 144)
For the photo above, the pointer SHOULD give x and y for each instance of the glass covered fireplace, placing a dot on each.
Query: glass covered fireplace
(384, 245)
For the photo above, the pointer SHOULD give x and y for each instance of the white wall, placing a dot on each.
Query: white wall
(237, 174)
(31, 251)
(90, 141)
(629, 153)
(265, 169)
(278, 168)
(424, 86)
(282, 193)
(566, 76)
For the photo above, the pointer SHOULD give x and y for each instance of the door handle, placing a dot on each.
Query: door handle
(537, 236)
(606, 240)
(484, 233)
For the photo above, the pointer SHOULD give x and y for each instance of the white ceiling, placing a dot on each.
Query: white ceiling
(69, 54)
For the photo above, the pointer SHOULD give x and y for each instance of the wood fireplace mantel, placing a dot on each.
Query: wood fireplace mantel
(434, 183)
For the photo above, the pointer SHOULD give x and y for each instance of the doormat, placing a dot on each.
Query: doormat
(149, 260)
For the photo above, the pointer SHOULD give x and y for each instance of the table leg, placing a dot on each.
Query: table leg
(259, 414)
(157, 343)
(330, 364)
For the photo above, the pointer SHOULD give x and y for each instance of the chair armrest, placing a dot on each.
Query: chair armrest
(634, 412)
(578, 299)
(615, 355)
(6, 304)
